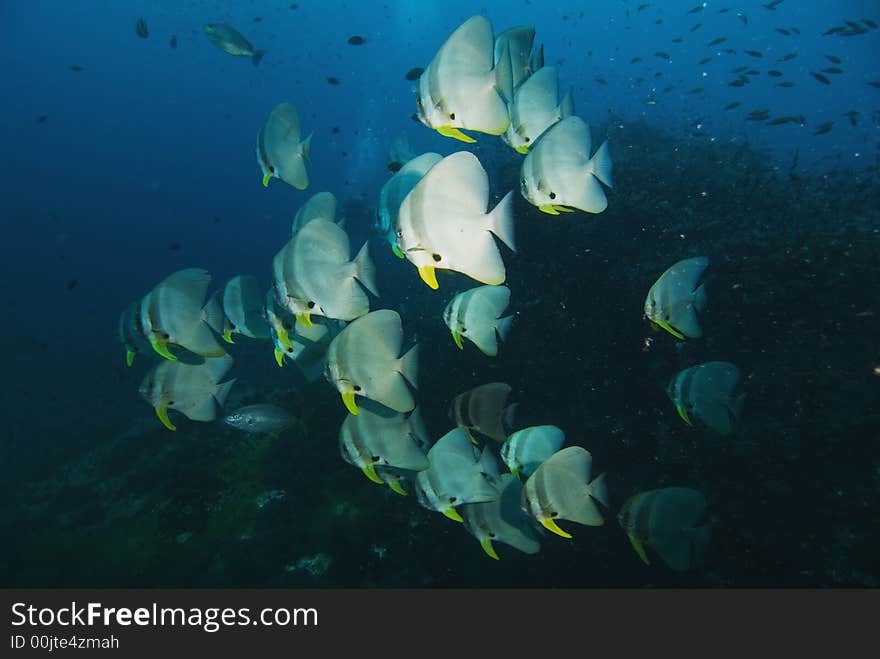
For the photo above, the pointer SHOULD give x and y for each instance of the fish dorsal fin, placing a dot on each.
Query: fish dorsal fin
(469, 49)
(321, 241)
(420, 164)
(321, 204)
(282, 126)
(566, 106)
(535, 100)
(566, 144)
(455, 441)
(458, 182)
(518, 41)
(684, 278)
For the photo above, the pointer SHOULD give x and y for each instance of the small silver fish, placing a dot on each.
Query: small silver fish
(261, 418)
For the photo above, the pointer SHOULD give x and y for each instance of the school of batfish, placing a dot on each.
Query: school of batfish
(504, 484)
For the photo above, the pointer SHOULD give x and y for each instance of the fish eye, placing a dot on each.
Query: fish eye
(286, 325)
(400, 233)
(289, 350)
(554, 514)
(492, 535)
(311, 304)
(527, 139)
(463, 330)
(357, 387)
(452, 116)
(375, 458)
(436, 257)
(170, 403)
(453, 499)
(272, 168)
(166, 335)
(552, 195)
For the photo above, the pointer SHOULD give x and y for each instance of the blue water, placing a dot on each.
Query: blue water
(149, 148)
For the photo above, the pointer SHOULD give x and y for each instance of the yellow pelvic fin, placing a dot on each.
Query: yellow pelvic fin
(471, 437)
(350, 405)
(486, 544)
(370, 472)
(227, 335)
(304, 319)
(161, 347)
(457, 338)
(452, 513)
(449, 131)
(515, 472)
(279, 357)
(397, 487)
(550, 209)
(399, 254)
(522, 148)
(429, 276)
(670, 329)
(683, 414)
(266, 177)
(640, 549)
(550, 524)
(162, 413)
(283, 337)
(129, 357)
(563, 209)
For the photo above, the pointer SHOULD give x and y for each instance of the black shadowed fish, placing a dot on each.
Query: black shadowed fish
(853, 117)
(140, 28)
(778, 121)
